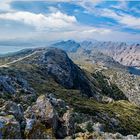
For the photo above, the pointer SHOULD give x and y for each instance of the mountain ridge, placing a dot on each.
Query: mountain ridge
(121, 52)
(46, 95)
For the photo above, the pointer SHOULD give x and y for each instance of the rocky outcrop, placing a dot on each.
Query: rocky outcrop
(56, 63)
(12, 85)
(67, 125)
(38, 121)
(44, 120)
(103, 135)
(35, 129)
(44, 112)
(9, 127)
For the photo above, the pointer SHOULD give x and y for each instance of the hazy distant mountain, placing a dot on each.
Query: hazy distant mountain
(125, 54)
(69, 46)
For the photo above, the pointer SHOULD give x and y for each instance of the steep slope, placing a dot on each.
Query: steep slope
(55, 63)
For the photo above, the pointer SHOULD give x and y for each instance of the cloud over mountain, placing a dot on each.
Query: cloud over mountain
(71, 19)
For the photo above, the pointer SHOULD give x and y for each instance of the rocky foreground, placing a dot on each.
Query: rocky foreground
(44, 95)
(45, 120)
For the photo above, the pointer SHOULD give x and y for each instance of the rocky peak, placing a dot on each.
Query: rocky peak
(69, 46)
(56, 63)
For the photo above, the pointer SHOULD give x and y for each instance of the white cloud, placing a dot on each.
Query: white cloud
(58, 25)
(53, 9)
(5, 5)
(88, 4)
(89, 33)
(123, 4)
(125, 19)
(92, 30)
(54, 21)
(130, 21)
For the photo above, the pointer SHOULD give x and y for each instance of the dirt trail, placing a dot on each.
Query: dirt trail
(17, 60)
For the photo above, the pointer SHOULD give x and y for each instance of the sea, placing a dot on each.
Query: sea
(11, 49)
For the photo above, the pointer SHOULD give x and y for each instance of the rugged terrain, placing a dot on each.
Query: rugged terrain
(124, 53)
(45, 94)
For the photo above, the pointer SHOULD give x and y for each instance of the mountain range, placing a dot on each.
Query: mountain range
(71, 90)
(125, 54)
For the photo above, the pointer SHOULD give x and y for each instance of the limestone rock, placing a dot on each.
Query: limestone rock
(11, 108)
(9, 127)
(44, 112)
(69, 122)
(35, 129)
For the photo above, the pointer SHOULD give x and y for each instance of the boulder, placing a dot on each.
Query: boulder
(9, 128)
(44, 112)
(66, 125)
(35, 129)
(69, 122)
(11, 108)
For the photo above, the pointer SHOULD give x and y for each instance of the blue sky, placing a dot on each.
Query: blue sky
(70, 19)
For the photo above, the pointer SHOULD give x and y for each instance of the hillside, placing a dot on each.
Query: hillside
(44, 94)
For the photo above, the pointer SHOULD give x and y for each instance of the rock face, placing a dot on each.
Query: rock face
(38, 121)
(35, 129)
(69, 122)
(44, 111)
(55, 63)
(126, 54)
